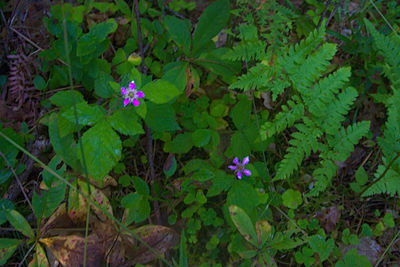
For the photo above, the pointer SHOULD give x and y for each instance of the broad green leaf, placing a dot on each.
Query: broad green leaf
(211, 22)
(213, 61)
(19, 222)
(66, 98)
(161, 118)
(48, 200)
(87, 115)
(175, 73)
(240, 145)
(181, 144)
(201, 137)
(102, 148)
(179, 31)
(48, 178)
(126, 122)
(101, 30)
(241, 113)
(319, 245)
(137, 208)
(243, 223)
(141, 186)
(102, 85)
(354, 260)
(160, 91)
(65, 147)
(5, 204)
(243, 195)
(7, 248)
(124, 7)
(119, 57)
(220, 183)
(292, 198)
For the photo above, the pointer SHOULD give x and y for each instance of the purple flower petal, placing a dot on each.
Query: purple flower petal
(123, 91)
(236, 160)
(232, 167)
(135, 102)
(247, 172)
(126, 101)
(139, 94)
(239, 175)
(132, 85)
(246, 160)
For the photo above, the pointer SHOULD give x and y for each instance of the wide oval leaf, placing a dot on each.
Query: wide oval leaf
(243, 223)
(160, 91)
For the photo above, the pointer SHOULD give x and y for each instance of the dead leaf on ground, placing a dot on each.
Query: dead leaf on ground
(328, 218)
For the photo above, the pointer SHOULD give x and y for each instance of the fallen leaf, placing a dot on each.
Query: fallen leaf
(328, 218)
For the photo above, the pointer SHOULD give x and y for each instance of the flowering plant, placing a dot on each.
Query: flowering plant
(131, 95)
(239, 167)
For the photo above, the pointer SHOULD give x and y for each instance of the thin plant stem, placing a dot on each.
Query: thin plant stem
(384, 18)
(17, 179)
(388, 247)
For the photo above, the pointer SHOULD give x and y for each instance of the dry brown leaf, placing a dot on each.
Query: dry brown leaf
(328, 218)
(159, 237)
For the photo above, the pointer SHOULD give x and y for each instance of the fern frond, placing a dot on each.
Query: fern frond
(345, 139)
(323, 177)
(323, 92)
(256, 78)
(389, 48)
(389, 184)
(284, 119)
(334, 113)
(303, 142)
(246, 51)
(304, 73)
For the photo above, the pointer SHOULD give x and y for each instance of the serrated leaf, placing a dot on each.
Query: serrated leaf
(66, 98)
(19, 222)
(87, 115)
(211, 22)
(243, 223)
(102, 148)
(160, 91)
(102, 85)
(126, 122)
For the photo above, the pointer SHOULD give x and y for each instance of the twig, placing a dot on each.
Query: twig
(26, 255)
(148, 131)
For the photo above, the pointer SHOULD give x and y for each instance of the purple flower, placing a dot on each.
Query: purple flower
(131, 95)
(239, 167)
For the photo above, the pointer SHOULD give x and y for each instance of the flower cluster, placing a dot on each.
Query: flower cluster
(239, 167)
(131, 95)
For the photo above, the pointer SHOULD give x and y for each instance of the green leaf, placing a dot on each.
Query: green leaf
(161, 118)
(170, 165)
(65, 147)
(5, 204)
(354, 260)
(141, 186)
(19, 223)
(160, 91)
(126, 122)
(241, 113)
(137, 208)
(124, 7)
(175, 73)
(179, 31)
(7, 248)
(211, 22)
(102, 148)
(243, 195)
(243, 224)
(263, 229)
(87, 115)
(46, 203)
(119, 57)
(201, 137)
(200, 197)
(39, 82)
(319, 245)
(66, 98)
(240, 145)
(181, 144)
(292, 199)
(220, 183)
(48, 178)
(102, 85)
